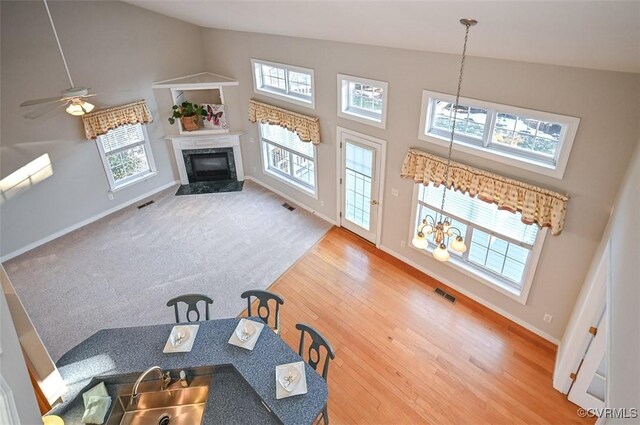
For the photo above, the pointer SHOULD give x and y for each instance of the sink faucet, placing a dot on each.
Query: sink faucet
(165, 379)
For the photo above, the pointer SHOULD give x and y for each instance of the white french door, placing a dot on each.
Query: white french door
(589, 389)
(361, 171)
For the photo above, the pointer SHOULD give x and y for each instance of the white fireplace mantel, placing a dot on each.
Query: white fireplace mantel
(226, 140)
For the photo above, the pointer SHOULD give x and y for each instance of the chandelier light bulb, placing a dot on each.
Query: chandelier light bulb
(420, 241)
(441, 253)
(458, 245)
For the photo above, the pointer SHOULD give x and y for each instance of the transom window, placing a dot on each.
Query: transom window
(502, 250)
(126, 155)
(363, 100)
(534, 140)
(291, 83)
(288, 158)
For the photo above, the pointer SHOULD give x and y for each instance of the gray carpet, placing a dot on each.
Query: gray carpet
(121, 270)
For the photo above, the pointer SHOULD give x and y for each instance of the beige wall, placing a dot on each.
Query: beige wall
(109, 46)
(606, 102)
(624, 296)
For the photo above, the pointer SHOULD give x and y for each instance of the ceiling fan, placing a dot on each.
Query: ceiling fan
(72, 98)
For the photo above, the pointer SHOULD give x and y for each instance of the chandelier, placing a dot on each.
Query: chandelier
(440, 226)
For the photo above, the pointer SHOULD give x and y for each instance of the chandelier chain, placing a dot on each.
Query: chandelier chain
(453, 124)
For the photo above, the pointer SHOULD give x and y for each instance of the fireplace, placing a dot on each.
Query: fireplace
(209, 165)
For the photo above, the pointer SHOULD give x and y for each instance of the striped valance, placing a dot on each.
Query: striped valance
(307, 128)
(539, 206)
(100, 122)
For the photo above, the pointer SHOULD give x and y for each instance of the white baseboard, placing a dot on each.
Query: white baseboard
(474, 297)
(294, 201)
(85, 222)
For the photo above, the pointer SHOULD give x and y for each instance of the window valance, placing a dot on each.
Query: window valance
(539, 206)
(307, 128)
(100, 122)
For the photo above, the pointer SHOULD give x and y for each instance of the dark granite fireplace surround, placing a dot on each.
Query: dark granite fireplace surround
(209, 164)
(210, 170)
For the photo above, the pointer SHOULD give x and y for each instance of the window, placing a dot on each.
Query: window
(287, 82)
(362, 100)
(288, 158)
(502, 251)
(534, 140)
(126, 155)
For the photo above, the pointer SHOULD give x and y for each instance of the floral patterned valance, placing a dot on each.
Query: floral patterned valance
(539, 206)
(100, 122)
(307, 128)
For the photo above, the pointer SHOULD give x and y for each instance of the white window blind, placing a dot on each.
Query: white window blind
(121, 137)
(286, 139)
(483, 214)
(500, 246)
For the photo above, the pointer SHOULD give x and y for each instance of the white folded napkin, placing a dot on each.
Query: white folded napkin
(96, 404)
(96, 410)
(99, 390)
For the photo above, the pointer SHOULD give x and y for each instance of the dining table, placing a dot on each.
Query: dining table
(243, 389)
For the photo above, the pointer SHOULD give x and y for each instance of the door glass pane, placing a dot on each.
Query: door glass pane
(358, 175)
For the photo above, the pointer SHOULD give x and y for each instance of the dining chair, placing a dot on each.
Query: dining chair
(192, 301)
(264, 310)
(314, 357)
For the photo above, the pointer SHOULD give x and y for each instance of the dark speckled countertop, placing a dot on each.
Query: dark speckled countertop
(132, 350)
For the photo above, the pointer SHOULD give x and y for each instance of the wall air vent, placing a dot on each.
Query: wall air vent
(145, 204)
(289, 207)
(445, 295)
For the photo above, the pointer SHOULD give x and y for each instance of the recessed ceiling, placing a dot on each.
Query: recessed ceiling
(587, 34)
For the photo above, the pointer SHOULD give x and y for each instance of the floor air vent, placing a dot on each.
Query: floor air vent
(145, 204)
(289, 207)
(445, 295)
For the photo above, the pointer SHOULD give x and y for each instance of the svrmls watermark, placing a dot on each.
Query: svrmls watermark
(609, 413)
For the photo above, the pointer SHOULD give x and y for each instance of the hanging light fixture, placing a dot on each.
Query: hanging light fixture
(440, 227)
(79, 107)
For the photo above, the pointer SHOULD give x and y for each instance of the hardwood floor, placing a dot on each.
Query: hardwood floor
(404, 355)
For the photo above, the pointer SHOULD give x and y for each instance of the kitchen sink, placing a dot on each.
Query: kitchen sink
(173, 406)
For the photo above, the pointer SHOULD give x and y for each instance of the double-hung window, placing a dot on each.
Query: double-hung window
(286, 82)
(362, 100)
(126, 155)
(288, 158)
(534, 140)
(502, 251)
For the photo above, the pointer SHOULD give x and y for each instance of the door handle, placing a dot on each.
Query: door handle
(374, 202)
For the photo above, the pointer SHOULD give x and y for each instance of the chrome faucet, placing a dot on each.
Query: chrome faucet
(165, 380)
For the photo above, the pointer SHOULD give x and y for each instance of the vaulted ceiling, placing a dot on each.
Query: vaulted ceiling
(587, 34)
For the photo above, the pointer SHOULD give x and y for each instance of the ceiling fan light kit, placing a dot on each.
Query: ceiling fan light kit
(79, 107)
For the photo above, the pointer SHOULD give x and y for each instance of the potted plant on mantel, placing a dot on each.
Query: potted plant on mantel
(189, 114)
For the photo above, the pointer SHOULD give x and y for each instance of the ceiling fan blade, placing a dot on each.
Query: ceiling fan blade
(37, 113)
(109, 92)
(41, 101)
